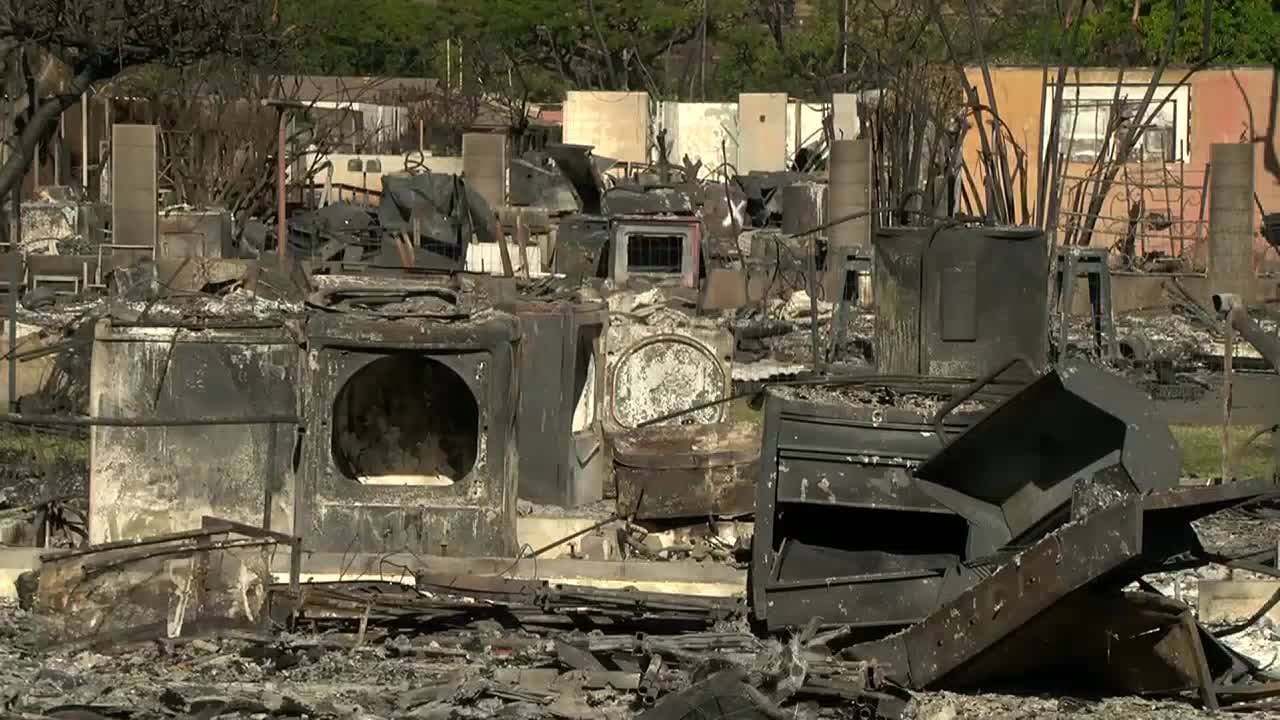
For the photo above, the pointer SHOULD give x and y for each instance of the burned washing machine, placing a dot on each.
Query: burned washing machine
(664, 372)
(412, 399)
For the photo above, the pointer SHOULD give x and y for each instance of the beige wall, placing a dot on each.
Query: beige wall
(391, 164)
(616, 124)
(32, 374)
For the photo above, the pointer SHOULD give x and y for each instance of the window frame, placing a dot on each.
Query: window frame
(1102, 94)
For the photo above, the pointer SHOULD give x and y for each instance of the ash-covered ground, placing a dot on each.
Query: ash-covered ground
(227, 678)
(398, 674)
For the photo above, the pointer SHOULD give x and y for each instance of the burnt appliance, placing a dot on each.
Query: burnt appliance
(560, 434)
(843, 532)
(203, 421)
(664, 367)
(412, 441)
(655, 248)
(954, 301)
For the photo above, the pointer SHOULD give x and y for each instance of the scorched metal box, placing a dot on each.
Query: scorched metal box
(559, 428)
(412, 443)
(959, 301)
(842, 532)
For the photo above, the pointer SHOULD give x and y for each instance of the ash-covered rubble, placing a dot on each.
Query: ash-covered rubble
(450, 648)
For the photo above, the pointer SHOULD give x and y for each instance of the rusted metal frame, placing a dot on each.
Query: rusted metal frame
(1204, 677)
(130, 544)
(1256, 691)
(1258, 614)
(574, 536)
(44, 351)
(1101, 161)
(1184, 497)
(959, 398)
(641, 599)
(1204, 194)
(1054, 567)
(209, 522)
(1251, 566)
(777, 584)
(203, 546)
(1050, 570)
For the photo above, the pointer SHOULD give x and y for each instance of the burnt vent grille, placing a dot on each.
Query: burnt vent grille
(652, 253)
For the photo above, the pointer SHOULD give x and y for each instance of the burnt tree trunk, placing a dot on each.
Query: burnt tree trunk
(41, 124)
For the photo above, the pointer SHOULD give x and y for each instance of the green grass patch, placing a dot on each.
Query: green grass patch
(26, 446)
(1201, 447)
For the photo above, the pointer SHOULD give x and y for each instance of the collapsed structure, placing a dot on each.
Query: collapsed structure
(349, 446)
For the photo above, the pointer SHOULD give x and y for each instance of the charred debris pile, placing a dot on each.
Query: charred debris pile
(311, 481)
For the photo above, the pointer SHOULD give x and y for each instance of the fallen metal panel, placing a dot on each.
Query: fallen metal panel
(1126, 643)
(1025, 459)
(445, 208)
(964, 628)
(579, 166)
(636, 200)
(582, 243)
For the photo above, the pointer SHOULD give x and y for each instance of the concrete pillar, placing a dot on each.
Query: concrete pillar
(804, 205)
(762, 132)
(484, 165)
(134, 166)
(1231, 209)
(849, 192)
(844, 116)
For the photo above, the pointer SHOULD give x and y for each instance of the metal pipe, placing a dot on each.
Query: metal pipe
(1228, 353)
(84, 142)
(85, 421)
(813, 296)
(15, 279)
(282, 225)
(1233, 307)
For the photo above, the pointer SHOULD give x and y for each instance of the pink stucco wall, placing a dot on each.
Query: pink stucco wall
(1228, 105)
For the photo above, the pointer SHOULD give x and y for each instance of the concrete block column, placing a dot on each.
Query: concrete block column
(1231, 209)
(849, 192)
(484, 164)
